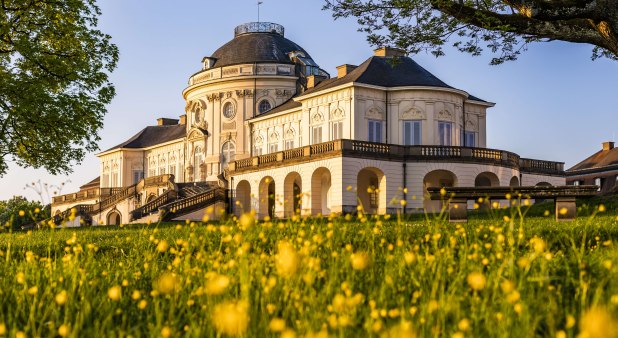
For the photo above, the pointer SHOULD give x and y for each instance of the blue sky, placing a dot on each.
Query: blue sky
(553, 103)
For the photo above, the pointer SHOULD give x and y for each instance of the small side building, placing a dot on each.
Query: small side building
(600, 169)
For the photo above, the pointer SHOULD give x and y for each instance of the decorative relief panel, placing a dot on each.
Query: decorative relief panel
(471, 125)
(245, 92)
(258, 140)
(374, 113)
(444, 115)
(229, 125)
(337, 114)
(317, 118)
(413, 113)
(273, 137)
(289, 134)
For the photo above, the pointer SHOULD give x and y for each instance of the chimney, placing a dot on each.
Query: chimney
(166, 122)
(313, 80)
(389, 52)
(608, 145)
(344, 70)
(183, 119)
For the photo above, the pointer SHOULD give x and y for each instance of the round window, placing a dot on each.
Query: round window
(264, 106)
(228, 110)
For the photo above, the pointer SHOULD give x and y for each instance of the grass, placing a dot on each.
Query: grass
(495, 276)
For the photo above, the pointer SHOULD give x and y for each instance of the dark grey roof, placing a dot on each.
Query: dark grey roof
(289, 104)
(153, 135)
(382, 71)
(600, 159)
(256, 47)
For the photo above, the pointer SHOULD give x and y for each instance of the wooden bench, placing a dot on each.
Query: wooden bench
(564, 196)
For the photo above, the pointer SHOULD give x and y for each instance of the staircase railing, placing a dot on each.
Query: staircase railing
(193, 203)
(153, 206)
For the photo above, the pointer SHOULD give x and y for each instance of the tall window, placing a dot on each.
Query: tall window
(228, 152)
(468, 138)
(228, 110)
(137, 176)
(575, 182)
(375, 131)
(289, 144)
(264, 106)
(257, 150)
(599, 183)
(317, 135)
(198, 159)
(412, 133)
(273, 147)
(445, 132)
(337, 130)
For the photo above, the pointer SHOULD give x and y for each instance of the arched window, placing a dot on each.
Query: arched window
(264, 106)
(228, 152)
(228, 110)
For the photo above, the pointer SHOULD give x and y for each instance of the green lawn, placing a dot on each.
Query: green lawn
(495, 276)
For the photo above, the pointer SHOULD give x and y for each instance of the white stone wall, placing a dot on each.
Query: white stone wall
(534, 179)
(162, 160)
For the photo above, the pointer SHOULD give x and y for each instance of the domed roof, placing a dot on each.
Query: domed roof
(260, 42)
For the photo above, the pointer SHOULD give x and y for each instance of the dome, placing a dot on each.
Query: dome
(257, 42)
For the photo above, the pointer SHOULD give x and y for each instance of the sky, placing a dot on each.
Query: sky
(553, 103)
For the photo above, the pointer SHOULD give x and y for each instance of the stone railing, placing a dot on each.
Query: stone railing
(281, 69)
(540, 166)
(362, 149)
(153, 206)
(187, 205)
(78, 196)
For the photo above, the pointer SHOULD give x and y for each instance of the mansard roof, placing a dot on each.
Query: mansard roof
(600, 159)
(153, 135)
(386, 72)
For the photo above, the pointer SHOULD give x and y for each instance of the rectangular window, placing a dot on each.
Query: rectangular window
(337, 130)
(105, 181)
(257, 151)
(599, 183)
(317, 135)
(375, 131)
(412, 133)
(173, 170)
(445, 132)
(575, 182)
(289, 144)
(273, 148)
(468, 138)
(137, 176)
(162, 171)
(115, 180)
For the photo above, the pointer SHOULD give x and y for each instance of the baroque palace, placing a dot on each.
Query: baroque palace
(267, 129)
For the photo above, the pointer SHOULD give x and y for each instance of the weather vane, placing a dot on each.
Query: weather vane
(258, 6)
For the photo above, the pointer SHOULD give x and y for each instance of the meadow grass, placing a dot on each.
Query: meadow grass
(499, 275)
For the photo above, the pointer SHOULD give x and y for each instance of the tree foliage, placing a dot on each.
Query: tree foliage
(19, 211)
(504, 27)
(54, 85)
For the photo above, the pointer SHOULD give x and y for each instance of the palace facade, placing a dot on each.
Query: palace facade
(267, 129)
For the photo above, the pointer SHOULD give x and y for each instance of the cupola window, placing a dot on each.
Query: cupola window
(264, 106)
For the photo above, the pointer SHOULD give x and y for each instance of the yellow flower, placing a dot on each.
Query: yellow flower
(114, 293)
(63, 330)
(162, 246)
(247, 220)
(20, 334)
(166, 332)
(601, 208)
(597, 322)
(136, 295)
(142, 304)
(216, 284)
(2, 329)
(360, 260)
(231, 318)
(33, 290)
(277, 325)
(476, 280)
(21, 278)
(167, 283)
(286, 260)
(464, 325)
(22, 213)
(61, 298)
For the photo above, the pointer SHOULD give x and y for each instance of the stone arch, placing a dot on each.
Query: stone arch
(487, 179)
(543, 184)
(114, 218)
(267, 197)
(151, 198)
(514, 182)
(321, 191)
(437, 178)
(292, 190)
(371, 190)
(243, 197)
